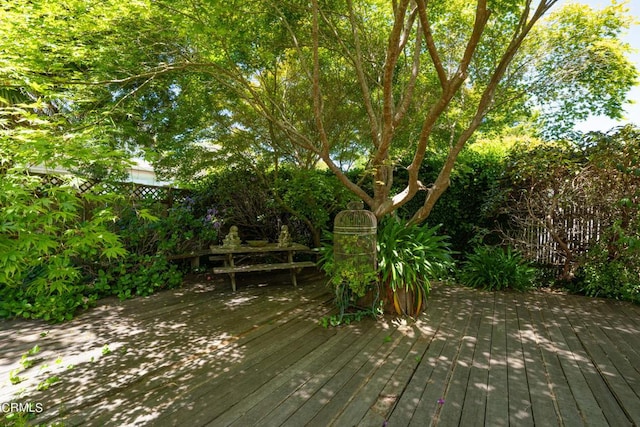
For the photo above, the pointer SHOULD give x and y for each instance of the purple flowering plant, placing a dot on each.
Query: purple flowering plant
(211, 225)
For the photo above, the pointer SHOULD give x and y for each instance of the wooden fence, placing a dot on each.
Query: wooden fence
(578, 227)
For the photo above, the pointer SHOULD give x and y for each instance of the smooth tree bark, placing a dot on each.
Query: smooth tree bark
(408, 14)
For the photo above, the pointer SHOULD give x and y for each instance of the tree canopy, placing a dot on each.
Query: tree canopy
(198, 84)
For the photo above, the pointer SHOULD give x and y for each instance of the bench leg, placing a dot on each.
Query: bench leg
(294, 279)
(228, 262)
(195, 262)
(233, 281)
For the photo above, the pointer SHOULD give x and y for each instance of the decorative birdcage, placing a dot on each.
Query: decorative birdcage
(354, 239)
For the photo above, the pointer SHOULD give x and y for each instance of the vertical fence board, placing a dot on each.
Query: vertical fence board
(580, 225)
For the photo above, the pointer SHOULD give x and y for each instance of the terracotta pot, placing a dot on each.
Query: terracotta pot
(403, 302)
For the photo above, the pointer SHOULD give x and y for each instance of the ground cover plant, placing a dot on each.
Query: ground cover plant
(494, 268)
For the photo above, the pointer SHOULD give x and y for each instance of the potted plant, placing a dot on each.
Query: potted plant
(409, 256)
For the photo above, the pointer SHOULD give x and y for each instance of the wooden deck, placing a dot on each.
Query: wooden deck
(203, 355)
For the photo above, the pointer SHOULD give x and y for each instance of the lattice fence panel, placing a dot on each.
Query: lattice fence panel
(134, 191)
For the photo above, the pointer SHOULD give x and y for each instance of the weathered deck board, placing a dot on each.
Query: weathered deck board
(411, 397)
(369, 392)
(263, 400)
(338, 390)
(315, 390)
(476, 397)
(572, 362)
(599, 396)
(498, 384)
(543, 407)
(519, 396)
(619, 376)
(460, 390)
(202, 355)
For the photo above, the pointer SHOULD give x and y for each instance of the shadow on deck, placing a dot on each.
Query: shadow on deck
(202, 355)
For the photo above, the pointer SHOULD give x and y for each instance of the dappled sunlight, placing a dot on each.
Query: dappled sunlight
(523, 414)
(515, 363)
(628, 329)
(128, 365)
(424, 328)
(280, 299)
(259, 357)
(405, 326)
(514, 345)
(483, 386)
(239, 301)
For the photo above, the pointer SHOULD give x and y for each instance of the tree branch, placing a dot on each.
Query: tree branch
(325, 153)
(431, 46)
(364, 86)
(442, 181)
(394, 47)
(404, 103)
(449, 89)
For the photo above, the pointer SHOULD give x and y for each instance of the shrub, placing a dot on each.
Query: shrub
(470, 202)
(494, 268)
(137, 275)
(148, 238)
(45, 241)
(611, 268)
(61, 263)
(575, 193)
(245, 200)
(52, 307)
(259, 204)
(150, 228)
(313, 197)
(616, 280)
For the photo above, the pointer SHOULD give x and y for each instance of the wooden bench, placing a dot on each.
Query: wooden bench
(193, 257)
(295, 267)
(231, 255)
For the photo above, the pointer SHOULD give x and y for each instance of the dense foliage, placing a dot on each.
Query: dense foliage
(585, 196)
(611, 267)
(195, 85)
(469, 205)
(72, 261)
(47, 234)
(260, 202)
(276, 90)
